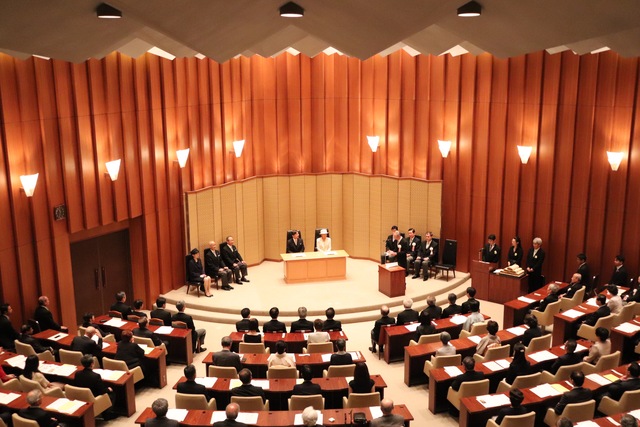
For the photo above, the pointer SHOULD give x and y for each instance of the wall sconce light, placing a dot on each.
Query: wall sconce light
(238, 146)
(113, 169)
(106, 11)
(524, 152)
(373, 142)
(291, 10)
(29, 183)
(444, 147)
(469, 10)
(614, 157)
(182, 155)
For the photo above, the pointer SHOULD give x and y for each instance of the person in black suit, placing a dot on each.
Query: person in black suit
(535, 258)
(388, 243)
(234, 261)
(196, 274)
(89, 319)
(44, 316)
(128, 351)
(570, 357)
(307, 388)
(231, 411)
(413, 242)
(425, 327)
(629, 382)
(519, 365)
(466, 306)
(384, 320)
(120, 305)
(197, 335)
(470, 374)
(432, 310)
(577, 394)
(330, 324)
(26, 332)
(516, 397)
(87, 344)
(574, 286)
(190, 386)
(243, 325)
(453, 308)
(226, 357)
(408, 315)
(86, 378)
(514, 256)
(397, 250)
(246, 389)
(160, 407)
(274, 325)
(427, 256)
(302, 324)
(214, 266)
(7, 333)
(144, 332)
(35, 412)
(533, 331)
(160, 312)
(583, 270)
(552, 296)
(341, 357)
(491, 251)
(602, 311)
(619, 277)
(137, 307)
(295, 243)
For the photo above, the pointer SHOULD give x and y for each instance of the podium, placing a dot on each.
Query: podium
(391, 280)
(480, 273)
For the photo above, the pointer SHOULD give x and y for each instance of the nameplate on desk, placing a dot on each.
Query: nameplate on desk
(58, 336)
(299, 255)
(391, 264)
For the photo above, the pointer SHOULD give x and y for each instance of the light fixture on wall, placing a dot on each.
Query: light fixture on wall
(524, 151)
(29, 183)
(106, 11)
(238, 146)
(182, 155)
(614, 157)
(444, 147)
(373, 142)
(113, 169)
(470, 10)
(291, 10)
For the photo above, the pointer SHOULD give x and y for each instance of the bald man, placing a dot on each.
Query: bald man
(90, 343)
(387, 419)
(384, 320)
(231, 412)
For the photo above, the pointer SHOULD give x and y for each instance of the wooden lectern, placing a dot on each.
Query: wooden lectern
(391, 280)
(480, 273)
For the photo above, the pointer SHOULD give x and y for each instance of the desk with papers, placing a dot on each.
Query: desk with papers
(295, 340)
(517, 308)
(315, 266)
(71, 412)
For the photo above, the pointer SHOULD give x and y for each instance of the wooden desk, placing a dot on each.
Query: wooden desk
(391, 280)
(515, 310)
(480, 272)
(82, 417)
(201, 418)
(314, 266)
(625, 341)
(295, 341)
(506, 288)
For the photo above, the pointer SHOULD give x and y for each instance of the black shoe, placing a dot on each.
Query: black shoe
(372, 350)
(209, 296)
(203, 349)
(244, 279)
(226, 288)
(238, 282)
(415, 276)
(425, 278)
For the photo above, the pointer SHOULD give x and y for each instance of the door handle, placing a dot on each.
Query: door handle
(96, 278)
(104, 278)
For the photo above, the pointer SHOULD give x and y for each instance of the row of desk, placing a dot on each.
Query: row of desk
(295, 341)
(81, 417)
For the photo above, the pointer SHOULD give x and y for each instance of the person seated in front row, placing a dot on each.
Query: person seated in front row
(628, 420)
(601, 347)
(519, 364)
(615, 302)
(577, 394)
(629, 382)
(447, 348)
(280, 357)
(533, 330)
(196, 274)
(330, 324)
(87, 378)
(408, 315)
(570, 357)
(307, 388)
(471, 296)
(190, 386)
(120, 305)
(160, 407)
(252, 335)
(470, 374)
(384, 320)
(453, 308)
(319, 336)
(552, 296)
(432, 309)
(387, 418)
(341, 357)
(274, 325)
(474, 317)
(425, 327)
(128, 351)
(231, 412)
(490, 340)
(515, 397)
(302, 324)
(137, 307)
(247, 389)
(243, 325)
(362, 381)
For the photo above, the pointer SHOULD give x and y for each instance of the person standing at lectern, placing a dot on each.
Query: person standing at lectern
(514, 257)
(295, 243)
(397, 250)
(535, 258)
(323, 243)
(491, 251)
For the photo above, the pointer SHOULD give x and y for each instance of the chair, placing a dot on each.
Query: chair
(361, 400)
(27, 350)
(70, 357)
(81, 331)
(318, 347)
(144, 341)
(18, 421)
(282, 372)
(317, 235)
(578, 297)
(11, 385)
(521, 381)
(186, 276)
(478, 328)
(222, 372)
(335, 371)
(576, 412)
(250, 403)
(2, 423)
(298, 403)
(133, 318)
(426, 339)
(563, 373)
(610, 361)
(156, 322)
(120, 365)
(441, 362)
(627, 313)
(114, 313)
(493, 353)
(28, 385)
(449, 255)
(195, 401)
(629, 401)
(253, 348)
(524, 420)
(109, 338)
(589, 332)
(35, 325)
(178, 324)
(538, 344)
(100, 403)
(595, 284)
(545, 318)
(467, 388)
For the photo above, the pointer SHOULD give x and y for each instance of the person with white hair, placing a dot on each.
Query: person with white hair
(408, 315)
(552, 296)
(309, 417)
(535, 258)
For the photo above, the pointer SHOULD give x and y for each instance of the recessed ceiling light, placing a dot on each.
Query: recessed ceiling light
(471, 9)
(291, 10)
(106, 11)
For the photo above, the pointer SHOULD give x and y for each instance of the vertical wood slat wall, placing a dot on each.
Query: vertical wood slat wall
(302, 115)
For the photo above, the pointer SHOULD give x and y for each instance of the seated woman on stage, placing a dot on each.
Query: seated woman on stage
(196, 272)
(252, 335)
(323, 243)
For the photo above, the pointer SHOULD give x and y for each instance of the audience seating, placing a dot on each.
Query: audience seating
(568, 303)
(426, 339)
(120, 365)
(156, 322)
(195, 401)
(576, 412)
(223, 372)
(525, 420)
(253, 348)
(361, 400)
(441, 362)
(11, 385)
(339, 371)
(521, 381)
(628, 312)
(478, 328)
(493, 353)
(545, 318)
(298, 403)
(563, 374)
(109, 338)
(27, 350)
(467, 389)
(629, 401)
(18, 421)
(28, 385)
(318, 347)
(282, 372)
(250, 403)
(538, 344)
(610, 361)
(114, 313)
(100, 403)
(589, 332)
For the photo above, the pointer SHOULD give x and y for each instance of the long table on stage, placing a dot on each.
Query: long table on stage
(82, 417)
(516, 309)
(313, 266)
(295, 341)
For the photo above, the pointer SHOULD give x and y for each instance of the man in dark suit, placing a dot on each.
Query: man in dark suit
(160, 312)
(7, 333)
(246, 389)
(330, 324)
(144, 332)
(584, 270)
(302, 324)
(87, 345)
(88, 379)
(570, 357)
(577, 394)
(26, 332)
(535, 258)
(516, 397)
(35, 412)
(413, 242)
(295, 243)
(629, 382)
(427, 256)
(231, 412)
(307, 388)
(574, 286)
(226, 357)
(137, 307)
(619, 277)
(551, 297)
(470, 374)
(197, 335)
(214, 266)
(160, 407)
(120, 305)
(388, 243)
(453, 308)
(44, 316)
(471, 296)
(432, 310)
(491, 251)
(408, 315)
(190, 386)
(234, 261)
(341, 357)
(243, 325)
(384, 320)
(274, 325)
(128, 351)
(602, 311)
(397, 250)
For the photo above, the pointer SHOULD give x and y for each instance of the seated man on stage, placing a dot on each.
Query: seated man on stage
(413, 242)
(323, 243)
(214, 266)
(427, 256)
(491, 251)
(295, 243)
(234, 261)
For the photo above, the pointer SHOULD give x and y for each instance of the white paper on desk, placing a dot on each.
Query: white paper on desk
(208, 382)
(66, 406)
(355, 355)
(17, 361)
(493, 400)
(58, 336)
(164, 330)
(299, 380)
(591, 301)
(545, 390)
(297, 419)
(527, 300)
(635, 413)
(146, 348)
(306, 336)
(612, 421)
(234, 383)
(493, 366)
(475, 338)
(348, 379)
(458, 319)
(6, 398)
(627, 327)
(60, 370)
(541, 356)
(504, 363)
(115, 322)
(326, 357)
(177, 414)
(598, 379)
(108, 374)
(218, 416)
(573, 313)
(104, 344)
(299, 255)
(376, 412)
(452, 371)
(580, 347)
(261, 383)
(412, 327)
(517, 330)
(250, 418)
(588, 423)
